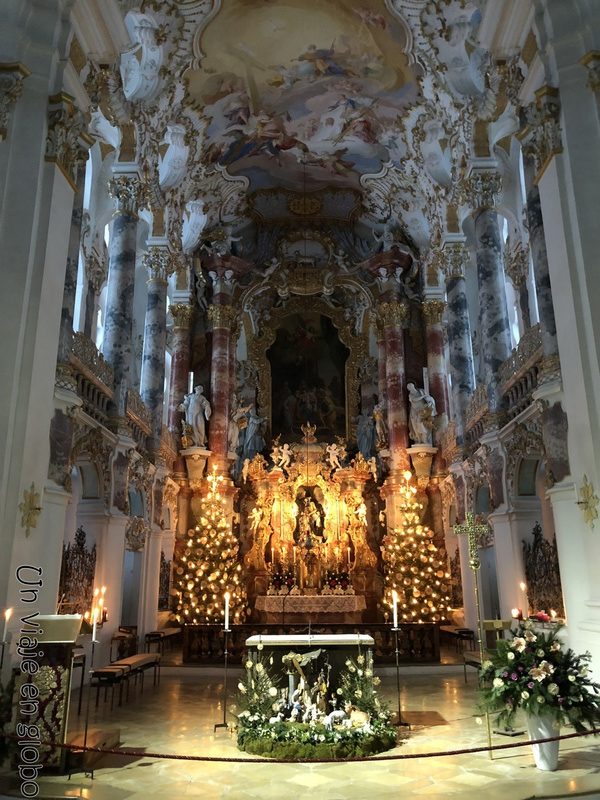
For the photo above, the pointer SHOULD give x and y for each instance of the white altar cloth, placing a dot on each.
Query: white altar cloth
(284, 640)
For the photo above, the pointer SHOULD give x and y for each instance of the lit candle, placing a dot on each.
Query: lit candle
(349, 550)
(7, 616)
(395, 607)
(516, 613)
(190, 382)
(95, 624)
(294, 554)
(226, 611)
(553, 614)
(273, 556)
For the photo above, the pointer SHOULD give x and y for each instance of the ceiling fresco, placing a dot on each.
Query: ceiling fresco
(303, 94)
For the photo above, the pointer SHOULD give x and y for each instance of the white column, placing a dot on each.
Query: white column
(509, 531)
(150, 584)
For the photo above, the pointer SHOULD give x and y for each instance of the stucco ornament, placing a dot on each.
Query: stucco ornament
(140, 65)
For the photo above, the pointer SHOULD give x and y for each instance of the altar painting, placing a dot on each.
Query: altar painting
(308, 365)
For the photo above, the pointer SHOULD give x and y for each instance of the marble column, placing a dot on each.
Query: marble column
(116, 346)
(68, 305)
(460, 343)
(394, 316)
(180, 362)
(381, 364)
(433, 312)
(539, 255)
(221, 317)
(158, 261)
(494, 328)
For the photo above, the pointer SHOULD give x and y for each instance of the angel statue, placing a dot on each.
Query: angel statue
(285, 456)
(333, 456)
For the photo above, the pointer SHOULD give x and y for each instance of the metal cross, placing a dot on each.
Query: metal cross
(474, 531)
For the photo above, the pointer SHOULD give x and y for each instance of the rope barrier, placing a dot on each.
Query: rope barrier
(254, 760)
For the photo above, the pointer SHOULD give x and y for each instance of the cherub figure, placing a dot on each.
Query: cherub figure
(285, 457)
(255, 518)
(333, 456)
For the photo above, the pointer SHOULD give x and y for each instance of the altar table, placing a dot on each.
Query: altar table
(319, 609)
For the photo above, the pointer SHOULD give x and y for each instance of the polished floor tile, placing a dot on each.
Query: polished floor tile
(178, 717)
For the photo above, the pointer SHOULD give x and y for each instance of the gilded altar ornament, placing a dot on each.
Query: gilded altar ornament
(30, 509)
(588, 502)
(309, 433)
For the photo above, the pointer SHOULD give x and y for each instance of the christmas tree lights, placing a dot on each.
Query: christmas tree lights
(413, 568)
(209, 566)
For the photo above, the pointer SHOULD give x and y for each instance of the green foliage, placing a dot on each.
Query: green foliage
(532, 671)
(357, 687)
(257, 694)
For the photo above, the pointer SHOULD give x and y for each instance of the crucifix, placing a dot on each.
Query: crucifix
(474, 531)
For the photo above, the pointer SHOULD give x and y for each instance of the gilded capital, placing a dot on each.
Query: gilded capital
(182, 314)
(221, 316)
(591, 61)
(12, 75)
(541, 136)
(516, 264)
(433, 311)
(67, 140)
(393, 314)
(126, 190)
(160, 263)
(481, 189)
(455, 258)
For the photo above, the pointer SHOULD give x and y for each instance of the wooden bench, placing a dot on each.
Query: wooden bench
(138, 664)
(160, 637)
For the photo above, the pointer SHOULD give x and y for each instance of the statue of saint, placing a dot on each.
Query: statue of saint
(365, 435)
(197, 412)
(381, 427)
(253, 440)
(422, 412)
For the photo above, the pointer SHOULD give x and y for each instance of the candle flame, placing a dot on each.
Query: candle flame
(522, 586)
(227, 595)
(8, 614)
(514, 613)
(395, 595)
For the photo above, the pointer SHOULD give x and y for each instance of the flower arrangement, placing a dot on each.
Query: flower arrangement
(282, 582)
(357, 687)
(533, 672)
(257, 693)
(337, 583)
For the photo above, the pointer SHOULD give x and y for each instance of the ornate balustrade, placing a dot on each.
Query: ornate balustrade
(417, 643)
(450, 447)
(94, 377)
(475, 414)
(138, 416)
(519, 374)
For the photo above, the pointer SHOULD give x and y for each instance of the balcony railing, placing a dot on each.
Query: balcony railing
(519, 374)
(95, 379)
(138, 416)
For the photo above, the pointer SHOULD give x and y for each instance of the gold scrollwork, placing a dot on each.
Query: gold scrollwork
(433, 311)
(182, 315)
(222, 316)
(394, 314)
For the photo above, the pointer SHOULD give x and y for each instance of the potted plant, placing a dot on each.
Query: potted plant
(533, 672)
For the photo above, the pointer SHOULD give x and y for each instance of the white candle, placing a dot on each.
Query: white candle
(349, 550)
(7, 616)
(190, 382)
(226, 611)
(395, 607)
(94, 626)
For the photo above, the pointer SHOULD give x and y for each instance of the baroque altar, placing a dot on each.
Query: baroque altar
(310, 530)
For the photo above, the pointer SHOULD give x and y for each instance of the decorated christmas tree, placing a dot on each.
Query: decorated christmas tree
(413, 567)
(209, 567)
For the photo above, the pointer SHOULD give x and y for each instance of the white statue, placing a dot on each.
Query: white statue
(197, 412)
(285, 456)
(422, 412)
(271, 266)
(255, 518)
(237, 419)
(372, 462)
(341, 260)
(245, 469)
(333, 456)
(361, 513)
(381, 427)
(387, 240)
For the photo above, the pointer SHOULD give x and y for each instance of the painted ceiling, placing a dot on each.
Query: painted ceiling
(303, 94)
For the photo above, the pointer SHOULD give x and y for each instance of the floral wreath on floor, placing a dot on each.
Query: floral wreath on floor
(314, 722)
(533, 672)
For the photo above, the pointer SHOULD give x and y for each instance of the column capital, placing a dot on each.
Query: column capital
(591, 61)
(541, 136)
(182, 314)
(481, 188)
(393, 314)
(160, 263)
(12, 75)
(433, 311)
(516, 263)
(67, 140)
(455, 257)
(126, 190)
(221, 316)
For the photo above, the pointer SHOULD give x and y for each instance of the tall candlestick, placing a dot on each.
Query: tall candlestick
(190, 382)
(7, 616)
(395, 607)
(95, 625)
(226, 611)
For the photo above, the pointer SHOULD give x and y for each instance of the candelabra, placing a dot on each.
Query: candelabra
(224, 724)
(400, 722)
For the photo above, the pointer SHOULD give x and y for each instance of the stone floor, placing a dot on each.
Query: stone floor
(178, 717)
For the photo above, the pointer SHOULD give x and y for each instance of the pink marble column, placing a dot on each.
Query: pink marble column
(433, 311)
(393, 317)
(221, 317)
(180, 362)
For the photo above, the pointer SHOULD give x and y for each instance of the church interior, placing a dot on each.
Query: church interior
(300, 398)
